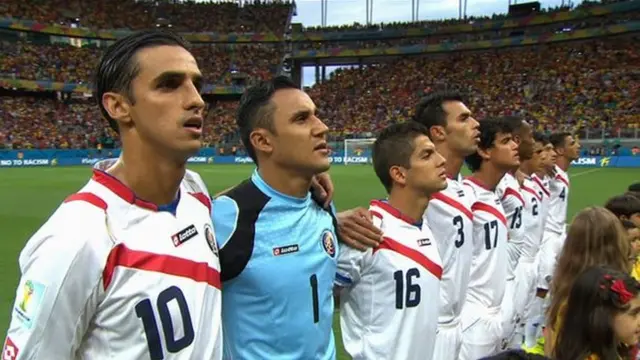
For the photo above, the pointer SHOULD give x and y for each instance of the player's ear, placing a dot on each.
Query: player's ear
(485, 154)
(261, 140)
(398, 174)
(117, 106)
(437, 133)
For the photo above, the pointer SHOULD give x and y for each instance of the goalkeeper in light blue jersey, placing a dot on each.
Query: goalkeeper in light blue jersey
(277, 245)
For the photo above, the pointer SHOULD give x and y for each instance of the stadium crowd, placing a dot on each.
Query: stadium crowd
(66, 63)
(561, 86)
(253, 16)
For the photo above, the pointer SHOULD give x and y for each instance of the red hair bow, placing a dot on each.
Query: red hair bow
(619, 288)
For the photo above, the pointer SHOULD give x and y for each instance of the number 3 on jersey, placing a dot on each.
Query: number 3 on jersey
(459, 224)
(144, 311)
(407, 293)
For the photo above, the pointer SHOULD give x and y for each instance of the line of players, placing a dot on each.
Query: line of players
(497, 233)
(112, 275)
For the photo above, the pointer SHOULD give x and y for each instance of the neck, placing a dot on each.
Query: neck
(454, 161)
(408, 202)
(525, 167)
(563, 163)
(148, 173)
(285, 181)
(489, 175)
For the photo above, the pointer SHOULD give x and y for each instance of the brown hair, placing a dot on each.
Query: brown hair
(595, 237)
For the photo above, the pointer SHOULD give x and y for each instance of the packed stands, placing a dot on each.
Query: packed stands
(66, 63)
(223, 17)
(591, 84)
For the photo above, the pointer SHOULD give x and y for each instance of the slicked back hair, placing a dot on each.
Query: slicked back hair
(118, 66)
(256, 110)
(394, 147)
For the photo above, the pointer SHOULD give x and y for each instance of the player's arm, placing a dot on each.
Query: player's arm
(356, 229)
(58, 293)
(352, 263)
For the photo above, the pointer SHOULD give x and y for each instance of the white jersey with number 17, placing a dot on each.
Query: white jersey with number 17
(387, 306)
(488, 275)
(110, 276)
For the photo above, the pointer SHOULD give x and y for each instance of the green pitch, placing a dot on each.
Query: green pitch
(29, 195)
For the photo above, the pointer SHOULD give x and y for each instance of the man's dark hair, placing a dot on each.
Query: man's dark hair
(516, 123)
(394, 147)
(540, 137)
(489, 129)
(634, 187)
(558, 139)
(628, 225)
(256, 110)
(623, 205)
(118, 66)
(430, 110)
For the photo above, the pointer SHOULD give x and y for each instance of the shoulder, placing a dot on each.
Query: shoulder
(193, 182)
(78, 228)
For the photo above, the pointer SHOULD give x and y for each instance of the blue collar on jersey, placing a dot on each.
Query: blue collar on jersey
(171, 207)
(271, 192)
(417, 224)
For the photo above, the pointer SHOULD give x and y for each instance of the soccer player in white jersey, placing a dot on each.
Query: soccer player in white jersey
(387, 308)
(510, 194)
(524, 289)
(127, 268)
(455, 134)
(481, 318)
(567, 149)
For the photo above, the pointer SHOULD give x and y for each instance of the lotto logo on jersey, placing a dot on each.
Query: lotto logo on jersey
(328, 243)
(184, 235)
(424, 242)
(10, 350)
(283, 250)
(29, 301)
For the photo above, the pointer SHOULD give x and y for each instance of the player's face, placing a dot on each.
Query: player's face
(571, 148)
(626, 325)
(525, 142)
(300, 139)
(550, 158)
(504, 153)
(168, 110)
(635, 219)
(537, 157)
(427, 173)
(463, 131)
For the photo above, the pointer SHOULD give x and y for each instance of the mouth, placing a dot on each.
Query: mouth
(443, 175)
(476, 137)
(322, 147)
(194, 124)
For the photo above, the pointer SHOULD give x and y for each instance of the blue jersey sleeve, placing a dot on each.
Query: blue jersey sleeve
(224, 216)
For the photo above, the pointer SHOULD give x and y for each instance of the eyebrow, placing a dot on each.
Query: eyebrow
(306, 113)
(175, 75)
(465, 114)
(428, 149)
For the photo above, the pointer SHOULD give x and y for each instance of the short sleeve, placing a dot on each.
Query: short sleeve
(224, 216)
(350, 266)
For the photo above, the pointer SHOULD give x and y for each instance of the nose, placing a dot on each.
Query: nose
(474, 123)
(320, 129)
(441, 160)
(193, 100)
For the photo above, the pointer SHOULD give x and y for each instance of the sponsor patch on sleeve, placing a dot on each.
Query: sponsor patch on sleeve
(29, 301)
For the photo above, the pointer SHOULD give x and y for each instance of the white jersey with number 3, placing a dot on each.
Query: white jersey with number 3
(488, 275)
(389, 307)
(450, 219)
(110, 276)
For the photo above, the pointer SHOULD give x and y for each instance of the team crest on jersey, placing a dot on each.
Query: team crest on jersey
(328, 243)
(211, 239)
(29, 301)
(9, 350)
